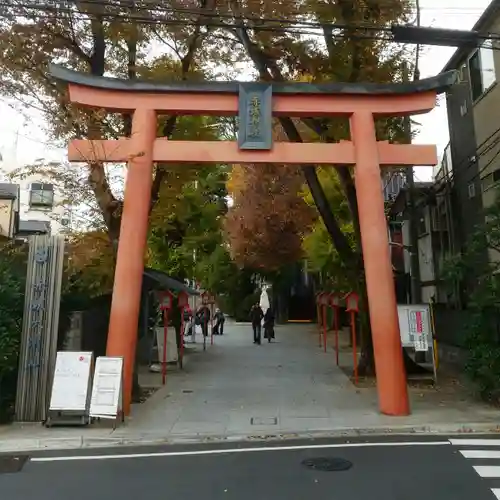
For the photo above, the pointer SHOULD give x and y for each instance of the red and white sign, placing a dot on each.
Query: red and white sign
(414, 326)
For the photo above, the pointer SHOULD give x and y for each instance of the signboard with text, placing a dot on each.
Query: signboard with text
(106, 401)
(415, 326)
(71, 385)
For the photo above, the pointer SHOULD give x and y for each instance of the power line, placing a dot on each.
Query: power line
(464, 162)
(152, 7)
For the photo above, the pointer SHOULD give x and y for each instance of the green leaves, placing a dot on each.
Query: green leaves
(12, 283)
(319, 249)
(186, 222)
(477, 271)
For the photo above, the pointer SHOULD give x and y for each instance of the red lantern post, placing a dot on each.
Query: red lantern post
(317, 310)
(335, 304)
(319, 315)
(166, 301)
(324, 305)
(182, 302)
(352, 302)
(211, 302)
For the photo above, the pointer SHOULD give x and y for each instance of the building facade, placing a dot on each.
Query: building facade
(474, 150)
(32, 207)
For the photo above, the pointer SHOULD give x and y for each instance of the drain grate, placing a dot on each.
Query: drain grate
(10, 464)
(327, 464)
(264, 421)
(187, 391)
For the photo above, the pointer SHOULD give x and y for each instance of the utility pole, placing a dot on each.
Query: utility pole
(416, 295)
(416, 289)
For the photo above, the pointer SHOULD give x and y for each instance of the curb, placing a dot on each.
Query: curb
(82, 442)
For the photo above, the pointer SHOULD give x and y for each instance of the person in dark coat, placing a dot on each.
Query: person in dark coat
(256, 316)
(269, 325)
(203, 318)
(219, 322)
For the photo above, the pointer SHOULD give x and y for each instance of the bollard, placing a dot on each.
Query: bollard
(319, 316)
(323, 303)
(182, 302)
(352, 302)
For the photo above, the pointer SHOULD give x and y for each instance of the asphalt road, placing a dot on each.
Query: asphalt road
(388, 468)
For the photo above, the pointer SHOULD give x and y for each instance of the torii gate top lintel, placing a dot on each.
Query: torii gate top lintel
(296, 99)
(438, 84)
(256, 103)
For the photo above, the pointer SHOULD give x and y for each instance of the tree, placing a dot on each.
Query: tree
(269, 35)
(477, 270)
(234, 287)
(268, 217)
(91, 37)
(320, 252)
(12, 283)
(284, 41)
(186, 223)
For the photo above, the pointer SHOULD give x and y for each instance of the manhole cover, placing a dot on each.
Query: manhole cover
(12, 463)
(327, 464)
(264, 421)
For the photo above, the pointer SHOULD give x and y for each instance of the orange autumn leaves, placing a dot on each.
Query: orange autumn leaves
(269, 217)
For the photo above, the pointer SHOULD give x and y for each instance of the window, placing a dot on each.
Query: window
(482, 70)
(41, 195)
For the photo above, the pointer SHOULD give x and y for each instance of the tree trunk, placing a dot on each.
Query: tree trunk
(366, 364)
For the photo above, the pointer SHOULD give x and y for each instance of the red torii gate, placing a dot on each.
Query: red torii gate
(256, 104)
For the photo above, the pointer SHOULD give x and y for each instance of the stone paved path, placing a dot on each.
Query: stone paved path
(236, 387)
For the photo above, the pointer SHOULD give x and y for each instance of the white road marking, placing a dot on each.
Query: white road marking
(235, 450)
(488, 470)
(496, 492)
(480, 453)
(475, 442)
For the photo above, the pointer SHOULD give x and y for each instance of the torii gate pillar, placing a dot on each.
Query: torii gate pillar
(127, 287)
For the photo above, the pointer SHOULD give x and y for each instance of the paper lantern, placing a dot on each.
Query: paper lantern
(352, 302)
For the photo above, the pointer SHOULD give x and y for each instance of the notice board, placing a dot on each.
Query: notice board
(106, 401)
(71, 384)
(415, 326)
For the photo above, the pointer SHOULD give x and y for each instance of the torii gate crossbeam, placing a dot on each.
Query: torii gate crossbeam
(257, 104)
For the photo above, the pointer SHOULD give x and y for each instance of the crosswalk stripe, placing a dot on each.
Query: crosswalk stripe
(475, 442)
(496, 492)
(480, 453)
(488, 470)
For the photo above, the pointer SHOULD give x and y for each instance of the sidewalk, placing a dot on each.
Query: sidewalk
(238, 390)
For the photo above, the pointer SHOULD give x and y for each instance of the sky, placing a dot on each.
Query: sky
(22, 138)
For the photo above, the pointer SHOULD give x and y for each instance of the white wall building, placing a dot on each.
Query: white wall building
(40, 201)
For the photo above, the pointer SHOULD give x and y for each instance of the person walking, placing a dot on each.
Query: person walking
(269, 325)
(203, 317)
(187, 316)
(256, 316)
(219, 322)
